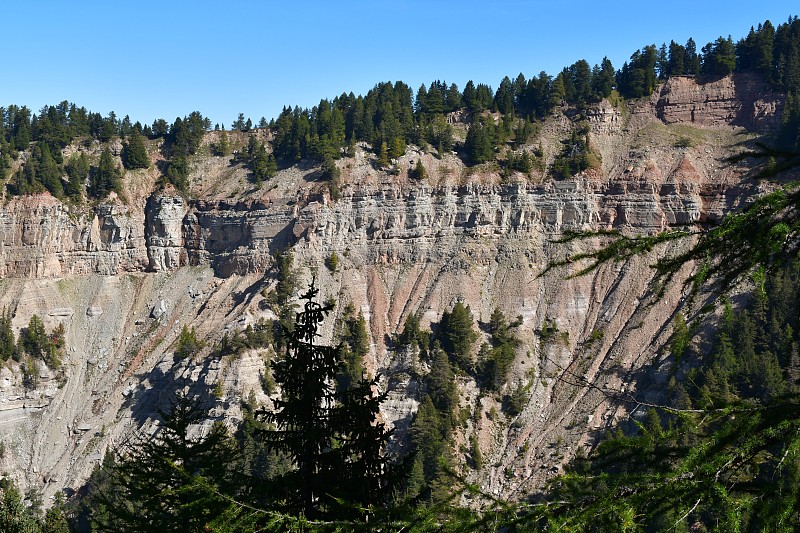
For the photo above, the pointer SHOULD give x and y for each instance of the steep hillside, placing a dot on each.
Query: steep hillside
(126, 275)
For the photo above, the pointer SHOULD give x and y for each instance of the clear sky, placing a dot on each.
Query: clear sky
(162, 59)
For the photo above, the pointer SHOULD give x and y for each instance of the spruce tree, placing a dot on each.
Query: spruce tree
(458, 335)
(304, 413)
(77, 169)
(105, 177)
(331, 436)
(134, 153)
(383, 156)
(33, 339)
(167, 482)
(8, 344)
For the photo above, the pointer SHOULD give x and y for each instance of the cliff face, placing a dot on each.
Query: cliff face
(41, 239)
(738, 100)
(124, 278)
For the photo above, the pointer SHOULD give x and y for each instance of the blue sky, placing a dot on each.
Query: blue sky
(162, 59)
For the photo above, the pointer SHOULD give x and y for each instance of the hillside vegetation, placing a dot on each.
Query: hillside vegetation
(705, 436)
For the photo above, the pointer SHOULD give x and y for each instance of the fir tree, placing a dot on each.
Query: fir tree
(264, 166)
(458, 335)
(8, 344)
(134, 153)
(167, 482)
(77, 169)
(105, 177)
(337, 448)
(383, 156)
(304, 413)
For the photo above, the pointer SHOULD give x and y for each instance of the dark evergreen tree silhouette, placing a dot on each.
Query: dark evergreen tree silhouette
(167, 482)
(331, 436)
(304, 412)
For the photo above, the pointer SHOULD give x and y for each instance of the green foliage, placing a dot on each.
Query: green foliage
(263, 164)
(106, 177)
(515, 401)
(337, 449)
(223, 147)
(680, 336)
(481, 141)
(638, 78)
(429, 437)
(398, 148)
(77, 169)
(167, 482)
(521, 161)
(8, 343)
(475, 452)
(414, 335)
(495, 362)
(727, 456)
(719, 58)
(178, 173)
(134, 153)
(577, 154)
(30, 372)
(188, 345)
(332, 262)
(260, 335)
(440, 384)
(477, 98)
(14, 516)
(35, 342)
(287, 277)
(330, 171)
(789, 134)
(47, 170)
(355, 347)
(458, 335)
(418, 172)
(383, 156)
(186, 135)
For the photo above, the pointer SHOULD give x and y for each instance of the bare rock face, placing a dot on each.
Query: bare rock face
(237, 237)
(742, 99)
(164, 229)
(39, 237)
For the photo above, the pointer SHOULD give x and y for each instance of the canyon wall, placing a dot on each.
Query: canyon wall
(125, 277)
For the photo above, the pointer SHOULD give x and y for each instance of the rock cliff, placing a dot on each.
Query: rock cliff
(124, 277)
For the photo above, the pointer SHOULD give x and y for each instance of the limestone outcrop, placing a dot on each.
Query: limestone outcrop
(742, 99)
(44, 240)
